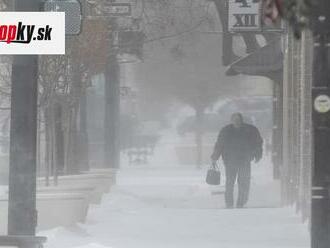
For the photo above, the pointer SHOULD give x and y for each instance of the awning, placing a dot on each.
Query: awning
(266, 61)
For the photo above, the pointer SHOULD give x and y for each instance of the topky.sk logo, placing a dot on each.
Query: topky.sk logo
(24, 33)
(32, 33)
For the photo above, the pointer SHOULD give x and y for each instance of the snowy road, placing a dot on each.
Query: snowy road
(158, 207)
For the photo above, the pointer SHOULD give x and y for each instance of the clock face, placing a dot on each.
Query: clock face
(322, 103)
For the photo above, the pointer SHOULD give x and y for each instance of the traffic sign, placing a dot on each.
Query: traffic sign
(73, 14)
(118, 9)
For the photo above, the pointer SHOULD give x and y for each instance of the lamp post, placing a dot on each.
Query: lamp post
(22, 213)
(112, 104)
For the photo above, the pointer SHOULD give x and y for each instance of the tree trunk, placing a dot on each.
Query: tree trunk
(59, 139)
(74, 156)
(83, 135)
(51, 142)
(112, 114)
(72, 167)
(48, 146)
(199, 136)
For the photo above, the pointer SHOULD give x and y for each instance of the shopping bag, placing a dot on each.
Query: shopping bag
(213, 176)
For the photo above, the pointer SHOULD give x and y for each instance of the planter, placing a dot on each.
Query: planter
(54, 209)
(112, 173)
(100, 183)
(61, 209)
(88, 191)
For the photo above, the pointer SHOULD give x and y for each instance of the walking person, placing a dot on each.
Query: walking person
(238, 143)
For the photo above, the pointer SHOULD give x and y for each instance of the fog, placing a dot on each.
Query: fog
(141, 108)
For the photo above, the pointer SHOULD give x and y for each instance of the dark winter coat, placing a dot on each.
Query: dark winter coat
(238, 144)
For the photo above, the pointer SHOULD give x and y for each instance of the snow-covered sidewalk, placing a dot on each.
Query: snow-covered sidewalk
(164, 207)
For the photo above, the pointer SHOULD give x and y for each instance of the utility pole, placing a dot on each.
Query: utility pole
(22, 215)
(112, 105)
(318, 19)
(277, 132)
(321, 126)
(320, 216)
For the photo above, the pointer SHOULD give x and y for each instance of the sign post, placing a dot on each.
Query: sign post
(112, 86)
(73, 14)
(118, 9)
(247, 16)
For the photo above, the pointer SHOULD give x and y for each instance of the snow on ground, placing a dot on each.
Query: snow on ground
(159, 207)
(164, 205)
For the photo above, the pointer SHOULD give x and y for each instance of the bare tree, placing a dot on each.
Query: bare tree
(63, 83)
(194, 74)
(5, 93)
